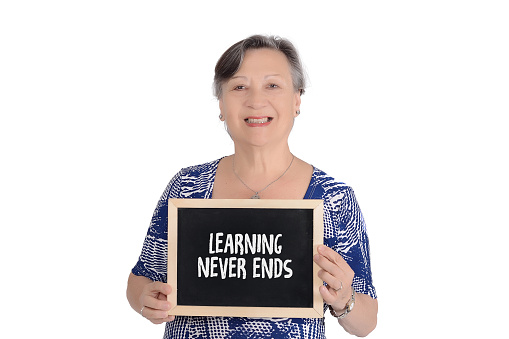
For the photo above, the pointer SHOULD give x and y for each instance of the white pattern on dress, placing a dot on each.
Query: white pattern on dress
(344, 231)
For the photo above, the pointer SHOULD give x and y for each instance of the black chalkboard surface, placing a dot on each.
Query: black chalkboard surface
(244, 257)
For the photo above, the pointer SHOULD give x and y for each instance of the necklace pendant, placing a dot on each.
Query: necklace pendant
(256, 196)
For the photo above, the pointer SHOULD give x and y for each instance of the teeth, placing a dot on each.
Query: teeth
(257, 121)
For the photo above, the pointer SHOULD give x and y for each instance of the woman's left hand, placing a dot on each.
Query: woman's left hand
(337, 274)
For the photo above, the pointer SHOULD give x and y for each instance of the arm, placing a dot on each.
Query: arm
(143, 293)
(363, 318)
(149, 298)
(339, 276)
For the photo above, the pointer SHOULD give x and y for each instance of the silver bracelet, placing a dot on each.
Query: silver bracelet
(348, 308)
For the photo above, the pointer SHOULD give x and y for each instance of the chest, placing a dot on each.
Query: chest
(292, 186)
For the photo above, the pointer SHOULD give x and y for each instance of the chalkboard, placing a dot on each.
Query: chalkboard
(244, 257)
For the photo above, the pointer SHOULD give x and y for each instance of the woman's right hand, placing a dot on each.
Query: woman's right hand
(154, 304)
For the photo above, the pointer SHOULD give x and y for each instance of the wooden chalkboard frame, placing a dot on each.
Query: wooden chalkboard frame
(316, 311)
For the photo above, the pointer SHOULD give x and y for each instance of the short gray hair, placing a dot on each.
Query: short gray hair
(231, 60)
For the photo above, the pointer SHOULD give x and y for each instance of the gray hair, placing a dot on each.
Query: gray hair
(231, 60)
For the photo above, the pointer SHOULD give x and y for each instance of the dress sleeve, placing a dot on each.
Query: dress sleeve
(153, 260)
(351, 241)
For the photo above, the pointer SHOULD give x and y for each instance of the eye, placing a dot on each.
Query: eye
(273, 86)
(239, 87)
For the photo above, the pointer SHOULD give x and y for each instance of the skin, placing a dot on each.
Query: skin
(262, 87)
(336, 272)
(262, 90)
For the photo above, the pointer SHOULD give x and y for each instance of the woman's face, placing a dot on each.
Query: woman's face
(259, 102)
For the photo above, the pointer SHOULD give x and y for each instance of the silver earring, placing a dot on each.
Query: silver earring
(220, 117)
(298, 112)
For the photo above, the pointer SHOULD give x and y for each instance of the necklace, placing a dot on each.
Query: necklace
(256, 196)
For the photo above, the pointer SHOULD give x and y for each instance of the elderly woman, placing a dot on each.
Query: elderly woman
(259, 82)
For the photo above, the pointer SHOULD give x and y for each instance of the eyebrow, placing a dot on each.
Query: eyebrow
(273, 75)
(265, 77)
(237, 77)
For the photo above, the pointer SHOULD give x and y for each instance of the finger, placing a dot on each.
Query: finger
(333, 282)
(156, 304)
(330, 267)
(332, 255)
(157, 316)
(160, 287)
(327, 296)
(158, 301)
(161, 296)
(154, 296)
(153, 314)
(337, 300)
(165, 320)
(336, 259)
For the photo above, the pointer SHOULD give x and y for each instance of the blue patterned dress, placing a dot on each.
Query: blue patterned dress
(344, 231)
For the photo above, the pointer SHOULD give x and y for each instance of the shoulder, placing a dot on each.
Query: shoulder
(201, 169)
(194, 181)
(324, 186)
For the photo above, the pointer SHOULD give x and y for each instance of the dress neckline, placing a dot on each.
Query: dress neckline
(215, 164)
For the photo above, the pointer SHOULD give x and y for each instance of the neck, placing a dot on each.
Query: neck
(258, 163)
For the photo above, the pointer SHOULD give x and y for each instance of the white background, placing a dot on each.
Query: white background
(102, 102)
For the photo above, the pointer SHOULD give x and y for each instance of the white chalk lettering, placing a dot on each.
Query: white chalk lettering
(244, 243)
(278, 268)
(232, 267)
(241, 267)
(271, 268)
(203, 267)
(211, 241)
(250, 245)
(239, 249)
(223, 267)
(213, 266)
(267, 268)
(288, 269)
(277, 248)
(256, 266)
(228, 245)
(219, 242)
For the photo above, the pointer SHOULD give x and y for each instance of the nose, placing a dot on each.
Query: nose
(256, 99)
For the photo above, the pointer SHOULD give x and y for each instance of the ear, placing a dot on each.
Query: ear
(221, 107)
(297, 103)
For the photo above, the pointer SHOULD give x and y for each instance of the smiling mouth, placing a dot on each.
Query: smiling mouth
(258, 120)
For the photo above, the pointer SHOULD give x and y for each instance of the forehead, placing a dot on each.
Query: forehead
(264, 61)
